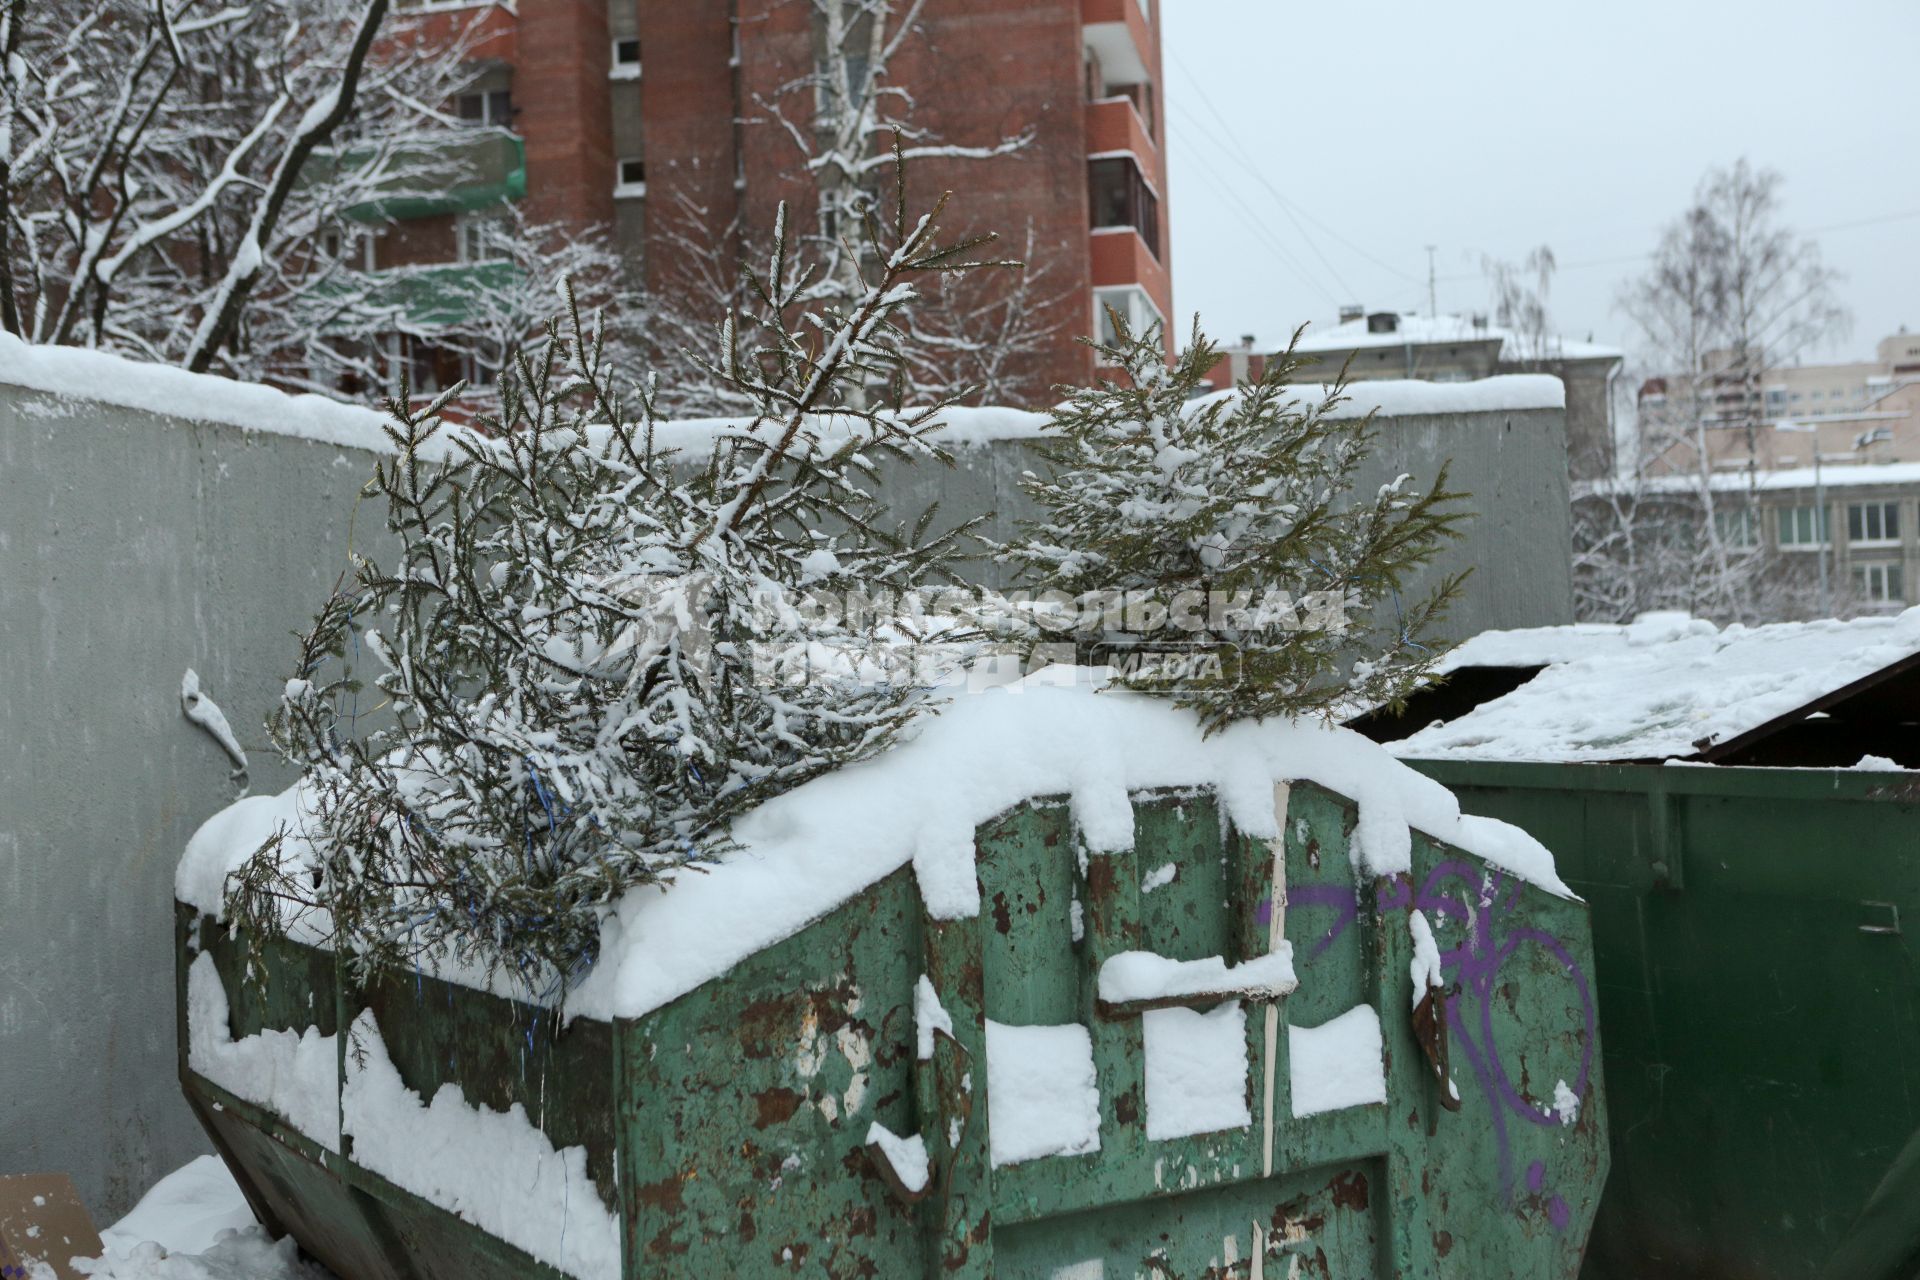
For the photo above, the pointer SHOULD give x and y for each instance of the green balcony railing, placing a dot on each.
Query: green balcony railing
(450, 173)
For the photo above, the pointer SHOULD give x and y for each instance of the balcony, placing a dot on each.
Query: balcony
(449, 173)
(1121, 257)
(1115, 127)
(1117, 33)
(437, 296)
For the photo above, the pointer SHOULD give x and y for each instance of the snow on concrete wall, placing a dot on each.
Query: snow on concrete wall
(153, 522)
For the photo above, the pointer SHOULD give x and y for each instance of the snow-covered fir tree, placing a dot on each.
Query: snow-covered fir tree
(593, 655)
(1226, 527)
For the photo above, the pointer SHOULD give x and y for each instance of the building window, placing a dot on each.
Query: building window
(1737, 527)
(631, 179)
(479, 238)
(1132, 305)
(626, 60)
(1800, 528)
(494, 108)
(1878, 583)
(1122, 198)
(1869, 522)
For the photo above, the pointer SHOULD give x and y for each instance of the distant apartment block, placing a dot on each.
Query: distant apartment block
(650, 120)
(1833, 472)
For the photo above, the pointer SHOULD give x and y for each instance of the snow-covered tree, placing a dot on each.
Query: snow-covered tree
(595, 655)
(180, 182)
(1226, 526)
(1730, 294)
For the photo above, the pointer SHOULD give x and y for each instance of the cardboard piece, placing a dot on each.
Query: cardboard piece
(42, 1221)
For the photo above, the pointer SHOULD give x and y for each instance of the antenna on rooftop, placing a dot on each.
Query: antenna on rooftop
(1433, 307)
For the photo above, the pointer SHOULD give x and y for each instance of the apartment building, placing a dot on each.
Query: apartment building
(1826, 474)
(656, 122)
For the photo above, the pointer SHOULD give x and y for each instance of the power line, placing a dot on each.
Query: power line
(1287, 204)
(1621, 259)
(1260, 228)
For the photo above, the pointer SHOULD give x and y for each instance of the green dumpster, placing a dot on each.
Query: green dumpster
(1758, 995)
(1108, 1071)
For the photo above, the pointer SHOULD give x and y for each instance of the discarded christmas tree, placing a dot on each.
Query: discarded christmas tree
(1212, 547)
(591, 657)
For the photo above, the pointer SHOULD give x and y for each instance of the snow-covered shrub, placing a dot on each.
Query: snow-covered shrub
(1211, 547)
(588, 658)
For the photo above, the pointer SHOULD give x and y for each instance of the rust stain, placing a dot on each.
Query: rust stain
(776, 1106)
(666, 1195)
(1002, 918)
(1126, 1107)
(1349, 1190)
(1442, 1243)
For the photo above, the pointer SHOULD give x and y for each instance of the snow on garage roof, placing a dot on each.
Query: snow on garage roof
(1667, 687)
(1421, 330)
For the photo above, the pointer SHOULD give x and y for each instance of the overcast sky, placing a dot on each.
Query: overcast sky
(1316, 149)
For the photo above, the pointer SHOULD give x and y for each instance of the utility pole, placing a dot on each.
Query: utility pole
(1433, 306)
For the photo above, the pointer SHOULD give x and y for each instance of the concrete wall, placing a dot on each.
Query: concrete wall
(131, 548)
(1511, 463)
(134, 546)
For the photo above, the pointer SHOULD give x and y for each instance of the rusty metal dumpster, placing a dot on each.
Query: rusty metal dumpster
(732, 1131)
(1757, 987)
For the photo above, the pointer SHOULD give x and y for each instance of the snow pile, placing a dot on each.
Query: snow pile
(294, 1076)
(806, 852)
(194, 1224)
(226, 840)
(494, 1169)
(185, 1212)
(1041, 1092)
(243, 1255)
(1876, 764)
(1657, 689)
(908, 1156)
(1196, 1070)
(1160, 877)
(1338, 1064)
(1141, 975)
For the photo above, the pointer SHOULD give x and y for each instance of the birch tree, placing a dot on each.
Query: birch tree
(1730, 294)
(170, 169)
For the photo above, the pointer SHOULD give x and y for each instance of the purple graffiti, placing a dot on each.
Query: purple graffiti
(1484, 903)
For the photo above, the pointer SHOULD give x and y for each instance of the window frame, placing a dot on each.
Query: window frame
(1818, 523)
(619, 68)
(1880, 582)
(625, 188)
(1888, 518)
(1139, 200)
(496, 108)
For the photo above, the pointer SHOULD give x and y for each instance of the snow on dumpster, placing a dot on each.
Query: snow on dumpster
(1671, 687)
(872, 1037)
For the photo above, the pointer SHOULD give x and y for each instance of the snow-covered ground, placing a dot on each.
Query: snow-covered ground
(195, 1225)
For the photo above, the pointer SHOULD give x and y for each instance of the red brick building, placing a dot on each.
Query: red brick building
(649, 118)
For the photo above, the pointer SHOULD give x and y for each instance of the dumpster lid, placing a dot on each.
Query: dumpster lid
(1670, 687)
